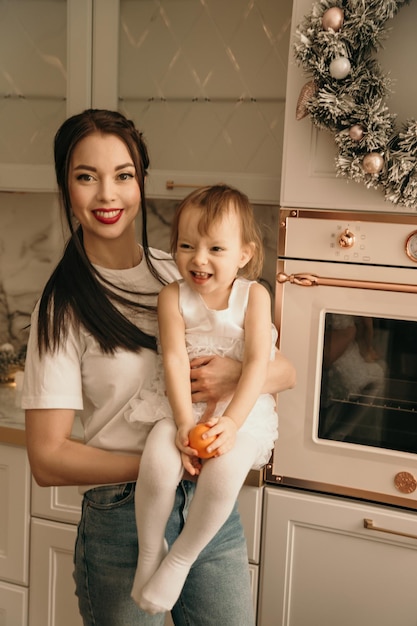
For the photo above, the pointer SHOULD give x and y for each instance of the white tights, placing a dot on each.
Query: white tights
(160, 575)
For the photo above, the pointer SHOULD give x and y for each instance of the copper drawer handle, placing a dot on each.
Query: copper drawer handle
(170, 184)
(369, 524)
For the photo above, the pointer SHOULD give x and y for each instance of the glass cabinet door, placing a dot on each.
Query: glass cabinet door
(205, 82)
(45, 60)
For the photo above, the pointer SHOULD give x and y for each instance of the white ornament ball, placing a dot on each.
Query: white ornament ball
(339, 68)
(373, 163)
(356, 132)
(333, 18)
(7, 347)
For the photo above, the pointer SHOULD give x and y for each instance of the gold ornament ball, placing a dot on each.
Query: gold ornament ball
(373, 163)
(333, 18)
(356, 132)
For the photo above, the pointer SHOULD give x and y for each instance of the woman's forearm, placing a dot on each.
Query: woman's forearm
(281, 375)
(56, 459)
(79, 464)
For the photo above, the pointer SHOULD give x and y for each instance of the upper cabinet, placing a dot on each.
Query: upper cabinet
(204, 81)
(45, 76)
(309, 177)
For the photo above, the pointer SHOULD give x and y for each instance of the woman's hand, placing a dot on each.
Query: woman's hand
(214, 378)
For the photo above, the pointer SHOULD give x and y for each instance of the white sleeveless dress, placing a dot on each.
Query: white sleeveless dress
(221, 333)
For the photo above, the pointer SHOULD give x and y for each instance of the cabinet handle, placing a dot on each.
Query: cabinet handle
(369, 524)
(171, 185)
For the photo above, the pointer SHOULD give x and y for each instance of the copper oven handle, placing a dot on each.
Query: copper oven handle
(369, 524)
(310, 280)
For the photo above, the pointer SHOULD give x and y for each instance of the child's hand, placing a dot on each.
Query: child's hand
(189, 457)
(191, 464)
(226, 430)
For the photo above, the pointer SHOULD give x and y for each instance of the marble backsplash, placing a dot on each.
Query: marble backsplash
(32, 240)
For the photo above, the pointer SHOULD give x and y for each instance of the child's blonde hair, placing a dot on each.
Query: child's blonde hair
(215, 201)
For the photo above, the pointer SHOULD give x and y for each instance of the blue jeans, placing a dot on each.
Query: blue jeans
(217, 590)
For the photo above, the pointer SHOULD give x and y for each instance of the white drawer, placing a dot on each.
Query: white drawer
(56, 503)
(13, 604)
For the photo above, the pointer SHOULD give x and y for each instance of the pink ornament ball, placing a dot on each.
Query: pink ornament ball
(333, 19)
(356, 132)
(373, 162)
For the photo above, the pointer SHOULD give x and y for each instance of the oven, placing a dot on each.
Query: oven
(346, 310)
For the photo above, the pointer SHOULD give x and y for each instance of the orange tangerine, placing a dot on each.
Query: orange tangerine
(200, 444)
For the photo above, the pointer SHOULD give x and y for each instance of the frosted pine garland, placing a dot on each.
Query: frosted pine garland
(358, 99)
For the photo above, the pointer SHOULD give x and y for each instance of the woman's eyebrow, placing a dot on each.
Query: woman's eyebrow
(94, 169)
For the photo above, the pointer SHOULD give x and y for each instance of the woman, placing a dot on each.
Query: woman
(92, 342)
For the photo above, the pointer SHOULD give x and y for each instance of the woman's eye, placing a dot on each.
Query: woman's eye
(126, 176)
(85, 177)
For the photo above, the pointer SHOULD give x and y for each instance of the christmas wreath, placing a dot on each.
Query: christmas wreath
(336, 45)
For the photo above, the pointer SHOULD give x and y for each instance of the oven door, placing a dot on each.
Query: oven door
(349, 426)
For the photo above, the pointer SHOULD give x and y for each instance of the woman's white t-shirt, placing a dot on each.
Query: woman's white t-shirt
(99, 386)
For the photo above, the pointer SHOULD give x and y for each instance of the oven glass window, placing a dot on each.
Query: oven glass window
(369, 382)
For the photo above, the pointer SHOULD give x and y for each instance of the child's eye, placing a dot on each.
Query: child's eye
(217, 249)
(184, 246)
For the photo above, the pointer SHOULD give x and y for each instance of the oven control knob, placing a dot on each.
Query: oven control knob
(346, 239)
(411, 246)
(405, 482)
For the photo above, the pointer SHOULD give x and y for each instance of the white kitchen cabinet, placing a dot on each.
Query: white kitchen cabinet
(211, 107)
(62, 504)
(55, 513)
(14, 535)
(320, 565)
(45, 76)
(52, 600)
(183, 71)
(14, 514)
(308, 171)
(13, 605)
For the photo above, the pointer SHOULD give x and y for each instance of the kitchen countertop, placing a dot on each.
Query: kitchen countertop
(12, 417)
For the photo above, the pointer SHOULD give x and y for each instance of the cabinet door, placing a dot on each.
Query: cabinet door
(52, 592)
(45, 76)
(13, 605)
(308, 173)
(320, 565)
(14, 514)
(211, 105)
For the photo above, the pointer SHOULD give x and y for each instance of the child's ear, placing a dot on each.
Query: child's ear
(248, 251)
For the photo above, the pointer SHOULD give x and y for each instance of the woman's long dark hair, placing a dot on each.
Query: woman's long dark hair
(76, 293)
